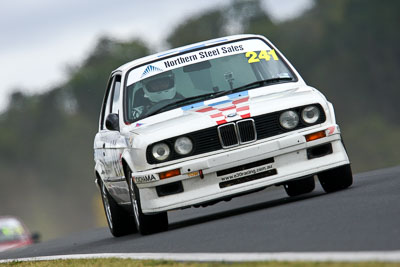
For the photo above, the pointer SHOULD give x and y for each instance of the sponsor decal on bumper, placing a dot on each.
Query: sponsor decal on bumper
(141, 179)
(248, 172)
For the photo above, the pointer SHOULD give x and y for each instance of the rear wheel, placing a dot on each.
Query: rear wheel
(299, 187)
(336, 179)
(145, 224)
(119, 220)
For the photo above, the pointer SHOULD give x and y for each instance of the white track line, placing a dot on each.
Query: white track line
(380, 256)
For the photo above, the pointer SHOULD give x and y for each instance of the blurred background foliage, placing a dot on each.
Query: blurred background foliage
(348, 49)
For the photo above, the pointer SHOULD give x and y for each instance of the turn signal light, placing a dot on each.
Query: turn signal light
(169, 174)
(315, 136)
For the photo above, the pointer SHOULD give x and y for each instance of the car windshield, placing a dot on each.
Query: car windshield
(11, 230)
(200, 75)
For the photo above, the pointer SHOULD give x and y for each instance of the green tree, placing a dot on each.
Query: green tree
(348, 49)
(46, 144)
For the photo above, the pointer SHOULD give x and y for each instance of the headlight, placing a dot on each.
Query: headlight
(310, 114)
(289, 119)
(183, 145)
(160, 151)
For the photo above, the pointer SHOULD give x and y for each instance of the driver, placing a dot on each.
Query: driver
(156, 88)
(160, 87)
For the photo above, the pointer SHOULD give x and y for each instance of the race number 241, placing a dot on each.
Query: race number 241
(264, 54)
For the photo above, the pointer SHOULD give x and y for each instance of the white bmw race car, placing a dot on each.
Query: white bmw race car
(207, 122)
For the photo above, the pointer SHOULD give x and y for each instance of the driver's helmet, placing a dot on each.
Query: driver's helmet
(160, 87)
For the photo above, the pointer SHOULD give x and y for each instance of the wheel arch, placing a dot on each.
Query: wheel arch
(125, 167)
(98, 169)
(332, 112)
(97, 179)
(127, 164)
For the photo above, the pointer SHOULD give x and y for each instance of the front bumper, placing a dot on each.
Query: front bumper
(290, 161)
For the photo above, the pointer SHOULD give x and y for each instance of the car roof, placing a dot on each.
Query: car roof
(181, 49)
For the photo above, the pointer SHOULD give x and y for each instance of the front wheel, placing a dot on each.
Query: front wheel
(145, 224)
(119, 220)
(336, 179)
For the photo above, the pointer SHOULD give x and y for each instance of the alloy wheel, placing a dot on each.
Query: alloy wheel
(134, 201)
(106, 204)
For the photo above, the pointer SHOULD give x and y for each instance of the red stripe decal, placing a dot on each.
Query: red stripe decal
(240, 100)
(221, 122)
(205, 109)
(244, 116)
(227, 108)
(243, 108)
(217, 115)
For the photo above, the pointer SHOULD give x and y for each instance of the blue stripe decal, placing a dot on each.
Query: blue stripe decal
(217, 41)
(167, 53)
(192, 106)
(220, 102)
(192, 48)
(236, 95)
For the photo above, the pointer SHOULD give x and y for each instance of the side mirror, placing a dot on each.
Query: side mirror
(112, 122)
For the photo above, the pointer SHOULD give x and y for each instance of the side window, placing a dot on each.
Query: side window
(111, 99)
(116, 93)
(105, 110)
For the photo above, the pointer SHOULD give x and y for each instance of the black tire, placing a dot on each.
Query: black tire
(336, 179)
(299, 187)
(145, 224)
(120, 222)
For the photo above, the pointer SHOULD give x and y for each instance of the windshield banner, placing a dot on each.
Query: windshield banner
(196, 57)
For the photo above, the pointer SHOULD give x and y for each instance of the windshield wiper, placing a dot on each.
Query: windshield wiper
(254, 85)
(188, 100)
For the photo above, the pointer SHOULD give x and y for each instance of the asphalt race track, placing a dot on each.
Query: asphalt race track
(365, 217)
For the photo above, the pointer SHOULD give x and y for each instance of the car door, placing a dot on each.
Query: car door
(99, 143)
(109, 144)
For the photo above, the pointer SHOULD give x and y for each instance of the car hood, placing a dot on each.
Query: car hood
(224, 109)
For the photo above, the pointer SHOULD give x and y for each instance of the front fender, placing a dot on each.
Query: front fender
(332, 111)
